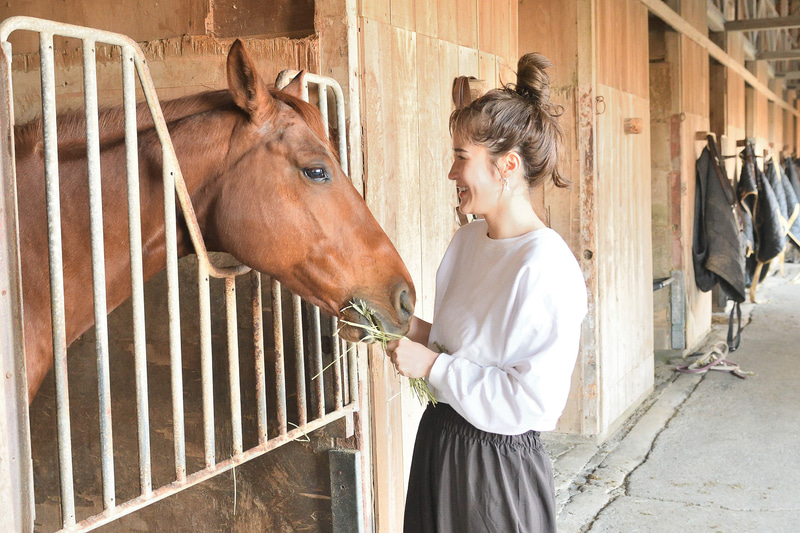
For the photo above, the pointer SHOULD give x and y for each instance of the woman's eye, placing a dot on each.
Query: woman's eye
(316, 174)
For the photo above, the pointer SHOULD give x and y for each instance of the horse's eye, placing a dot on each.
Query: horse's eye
(316, 174)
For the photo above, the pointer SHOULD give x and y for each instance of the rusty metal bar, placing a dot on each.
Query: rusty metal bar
(233, 364)
(300, 372)
(322, 91)
(337, 364)
(137, 277)
(16, 475)
(280, 371)
(206, 367)
(135, 504)
(352, 353)
(173, 307)
(318, 383)
(258, 347)
(98, 270)
(56, 276)
(345, 370)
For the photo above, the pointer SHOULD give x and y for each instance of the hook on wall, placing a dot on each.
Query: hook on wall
(600, 102)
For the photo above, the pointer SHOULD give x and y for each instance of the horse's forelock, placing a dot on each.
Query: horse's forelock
(310, 115)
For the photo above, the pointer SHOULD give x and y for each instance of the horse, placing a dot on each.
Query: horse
(266, 187)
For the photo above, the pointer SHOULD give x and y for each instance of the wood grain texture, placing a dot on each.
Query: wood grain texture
(467, 12)
(448, 20)
(623, 209)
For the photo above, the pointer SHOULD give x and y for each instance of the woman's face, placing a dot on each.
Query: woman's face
(475, 177)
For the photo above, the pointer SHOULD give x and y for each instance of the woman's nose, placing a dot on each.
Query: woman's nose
(452, 174)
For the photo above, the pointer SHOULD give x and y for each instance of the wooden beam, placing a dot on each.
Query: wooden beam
(794, 75)
(679, 24)
(771, 23)
(781, 55)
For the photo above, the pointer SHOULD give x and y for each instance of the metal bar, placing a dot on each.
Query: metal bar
(233, 365)
(16, 472)
(206, 367)
(137, 277)
(347, 509)
(98, 270)
(300, 371)
(280, 371)
(783, 55)
(337, 364)
(352, 352)
(135, 504)
(768, 23)
(56, 276)
(258, 346)
(173, 306)
(318, 388)
(322, 91)
(345, 369)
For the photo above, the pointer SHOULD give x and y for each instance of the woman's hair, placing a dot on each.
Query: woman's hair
(518, 117)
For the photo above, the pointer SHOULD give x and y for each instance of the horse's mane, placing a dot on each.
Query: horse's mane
(71, 127)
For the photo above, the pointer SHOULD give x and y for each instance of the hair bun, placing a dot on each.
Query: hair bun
(532, 80)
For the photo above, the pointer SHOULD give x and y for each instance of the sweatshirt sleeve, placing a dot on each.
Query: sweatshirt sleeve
(528, 391)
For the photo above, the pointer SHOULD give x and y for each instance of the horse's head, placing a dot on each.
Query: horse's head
(285, 207)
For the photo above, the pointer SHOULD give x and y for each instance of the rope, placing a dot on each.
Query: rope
(714, 359)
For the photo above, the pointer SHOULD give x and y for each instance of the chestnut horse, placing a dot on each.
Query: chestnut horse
(266, 187)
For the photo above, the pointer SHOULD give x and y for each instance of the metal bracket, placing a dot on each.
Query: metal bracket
(346, 505)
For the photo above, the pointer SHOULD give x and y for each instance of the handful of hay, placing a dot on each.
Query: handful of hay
(375, 333)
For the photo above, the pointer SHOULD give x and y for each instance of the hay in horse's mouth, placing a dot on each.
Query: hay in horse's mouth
(374, 333)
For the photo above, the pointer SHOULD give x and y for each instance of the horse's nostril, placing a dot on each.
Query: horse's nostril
(405, 304)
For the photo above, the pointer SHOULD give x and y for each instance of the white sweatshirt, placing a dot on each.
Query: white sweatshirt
(509, 313)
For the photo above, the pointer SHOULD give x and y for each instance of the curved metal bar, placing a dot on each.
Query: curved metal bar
(170, 160)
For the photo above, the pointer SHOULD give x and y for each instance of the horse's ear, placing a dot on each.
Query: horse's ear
(248, 91)
(295, 87)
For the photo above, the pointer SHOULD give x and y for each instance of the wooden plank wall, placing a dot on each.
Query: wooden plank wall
(624, 257)
(694, 96)
(411, 51)
(549, 27)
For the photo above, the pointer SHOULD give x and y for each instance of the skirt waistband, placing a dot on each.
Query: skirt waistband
(448, 419)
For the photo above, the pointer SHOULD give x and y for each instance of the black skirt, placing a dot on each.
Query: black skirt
(464, 480)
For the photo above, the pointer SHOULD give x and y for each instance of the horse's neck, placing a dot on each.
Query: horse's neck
(200, 143)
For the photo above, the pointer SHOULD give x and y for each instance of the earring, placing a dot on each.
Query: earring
(504, 181)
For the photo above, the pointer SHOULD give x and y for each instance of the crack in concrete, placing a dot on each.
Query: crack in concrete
(623, 488)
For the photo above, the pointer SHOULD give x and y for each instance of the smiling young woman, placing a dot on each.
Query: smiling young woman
(510, 300)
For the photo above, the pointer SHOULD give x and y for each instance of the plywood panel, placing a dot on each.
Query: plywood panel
(513, 22)
(486, 29)
(240, 18)
(694, 11)
(467, 22)
(142, 20)
(378, 10)
(427, 17)
(403, 14)
(448, 20)
(695, 77)
(621, 57)
(502, 37)
(380, 161)
(487, 67)
(538, 19)
(468, 63)
(623, 254)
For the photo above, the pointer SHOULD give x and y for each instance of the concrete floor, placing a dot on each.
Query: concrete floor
(706, 452)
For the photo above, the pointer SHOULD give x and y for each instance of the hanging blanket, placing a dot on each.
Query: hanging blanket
(792, 208)
(758, 200)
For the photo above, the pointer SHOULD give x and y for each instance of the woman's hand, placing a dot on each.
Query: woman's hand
(411, 359)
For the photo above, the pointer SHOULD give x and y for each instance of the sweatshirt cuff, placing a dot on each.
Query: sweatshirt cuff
(438, 371)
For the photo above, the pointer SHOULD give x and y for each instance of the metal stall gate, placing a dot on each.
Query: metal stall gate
(306, 354)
